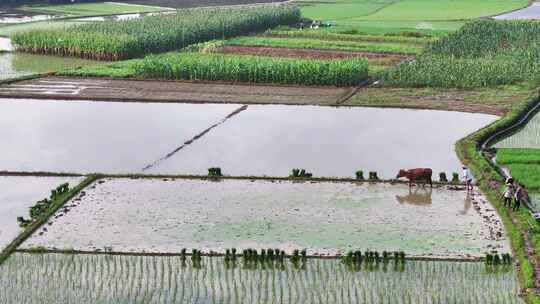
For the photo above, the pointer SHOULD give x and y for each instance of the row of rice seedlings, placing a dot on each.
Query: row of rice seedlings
(252, 69)
(57, 278)
(43, 205)
(115, 40)
(302, 173)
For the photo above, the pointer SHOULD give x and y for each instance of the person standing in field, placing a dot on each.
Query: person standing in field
(521, 196)
(468, 178)
(508, 195)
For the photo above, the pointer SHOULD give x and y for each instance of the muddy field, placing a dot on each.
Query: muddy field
(154, 215)
(170, 91)
(17, 195)
(380, 58)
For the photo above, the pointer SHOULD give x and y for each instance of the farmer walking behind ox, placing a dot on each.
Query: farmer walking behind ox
(467, 176)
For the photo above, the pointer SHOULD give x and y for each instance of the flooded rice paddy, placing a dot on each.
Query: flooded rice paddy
(17, 195)
(162, 138)
(15, 64)
(527, 137)
(85, 279)
(271, 140)
(154, 215)
(39, 135)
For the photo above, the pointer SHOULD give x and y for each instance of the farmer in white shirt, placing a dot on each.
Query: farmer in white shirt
(468, 178)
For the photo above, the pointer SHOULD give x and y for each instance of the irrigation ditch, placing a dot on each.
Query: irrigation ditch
(473, 150)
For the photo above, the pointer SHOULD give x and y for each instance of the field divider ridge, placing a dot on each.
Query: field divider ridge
(42, 219)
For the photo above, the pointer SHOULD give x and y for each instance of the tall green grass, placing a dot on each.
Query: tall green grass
(196, 66)
(115, 40)
(483, 53)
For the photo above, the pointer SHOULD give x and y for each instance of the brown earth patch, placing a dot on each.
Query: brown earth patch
(103, 89)
(310, 53)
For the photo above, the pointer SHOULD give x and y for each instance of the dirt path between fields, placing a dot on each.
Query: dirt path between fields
(118, 90)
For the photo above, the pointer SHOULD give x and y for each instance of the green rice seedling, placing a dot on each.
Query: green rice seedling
(377, 257)
(396, 256)
(295, 173)
(359, 175)
(402, 256)
(489, 259)
(385, 257)
(116, 40)
(348, 258)
(455, 178)
(496, 259)
(270, 254)
(215, 172)
(442, 177)
(373, 176)
(233, 254)
(303, 254)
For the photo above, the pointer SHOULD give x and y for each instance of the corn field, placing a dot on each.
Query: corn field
(196, 66)
(116, 40)
(58, 278)
(483, 53)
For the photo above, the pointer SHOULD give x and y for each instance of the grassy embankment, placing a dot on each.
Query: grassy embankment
(56, 204)
(404, 15)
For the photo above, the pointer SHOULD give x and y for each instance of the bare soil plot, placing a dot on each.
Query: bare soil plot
(154, 215)
(170, 91)
(327, 141)
(85, 137)
(18, 194)
(311, 53)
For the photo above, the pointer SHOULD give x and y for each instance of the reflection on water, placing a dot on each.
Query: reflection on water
(323, 217)
(15, 64)
(271, 140)
(419, 196)
(59, 136)
(467, 203)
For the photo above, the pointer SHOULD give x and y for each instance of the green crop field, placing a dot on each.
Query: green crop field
(306, 43)
(91, 9)
(481, 54)
(524, 165)
(406, 14)
(197, 66)
(44, 278)
(114, 40)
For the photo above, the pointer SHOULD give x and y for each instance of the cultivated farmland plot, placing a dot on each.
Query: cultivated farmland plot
(528, 137)
(17, 195)
(46, 278)
(154, 215)
(271, 140)
(96, 137)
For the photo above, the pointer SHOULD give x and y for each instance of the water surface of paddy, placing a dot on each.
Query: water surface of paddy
(327, 218)
(48, 278)
(271, 140)
(17, 195)
(38, 135)
(15, 64)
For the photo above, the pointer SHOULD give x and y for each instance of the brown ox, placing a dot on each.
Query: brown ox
(418, 174)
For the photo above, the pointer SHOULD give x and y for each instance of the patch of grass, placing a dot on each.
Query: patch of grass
(91, 9)
(416, 39)
(341, 9)
(487, 100)
(518, 156)
(303, 43)
(526, 174)
(424, 10)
